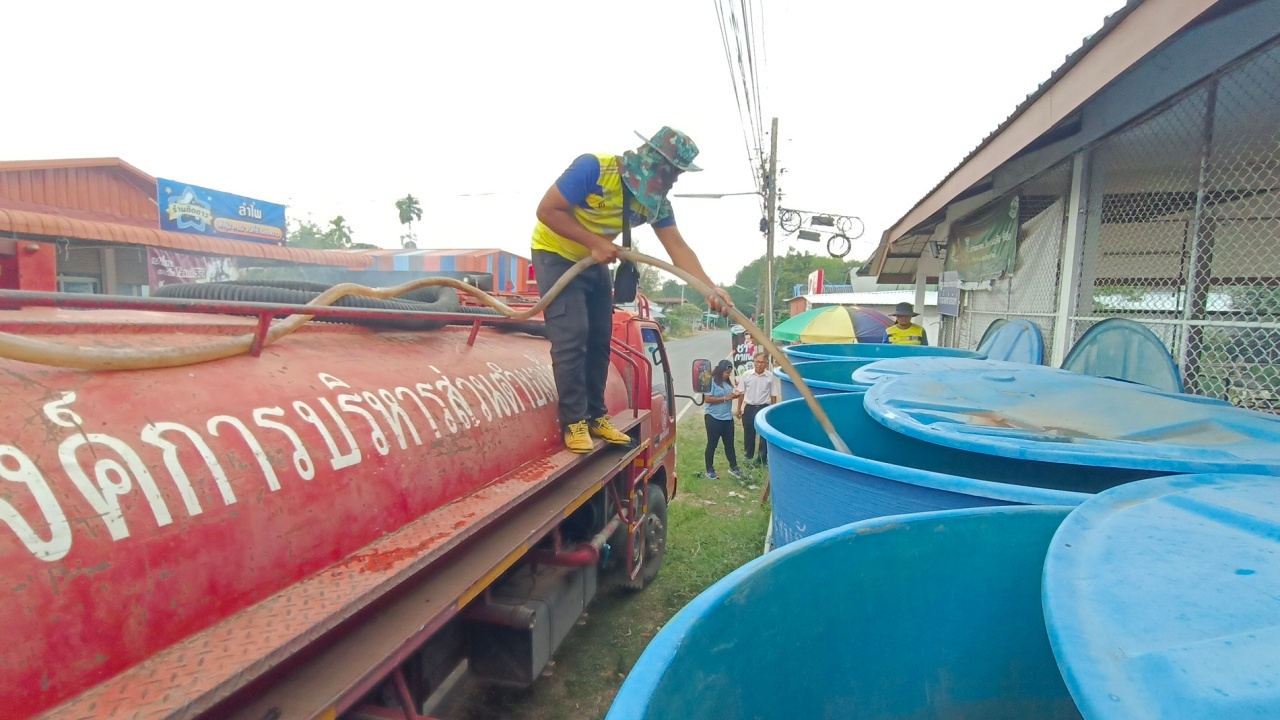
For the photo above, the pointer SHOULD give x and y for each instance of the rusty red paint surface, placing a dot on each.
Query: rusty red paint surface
(143, 507)
(185, 679)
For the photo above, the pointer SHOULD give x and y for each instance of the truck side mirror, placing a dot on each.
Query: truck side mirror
(702, 376)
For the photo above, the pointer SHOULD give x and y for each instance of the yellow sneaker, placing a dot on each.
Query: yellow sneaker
(603, 429)
(577, 438)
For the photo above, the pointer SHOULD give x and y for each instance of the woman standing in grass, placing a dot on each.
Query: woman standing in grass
(718, 417)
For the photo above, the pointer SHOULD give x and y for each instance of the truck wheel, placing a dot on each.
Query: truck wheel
(654, 531)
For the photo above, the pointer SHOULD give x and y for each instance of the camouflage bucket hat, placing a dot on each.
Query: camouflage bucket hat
(678, 148)
(650, 170)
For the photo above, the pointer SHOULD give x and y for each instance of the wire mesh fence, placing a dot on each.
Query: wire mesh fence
(1181, 233)
(1182, 229)
(1030, 291)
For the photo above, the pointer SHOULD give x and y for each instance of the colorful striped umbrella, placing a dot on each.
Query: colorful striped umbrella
(835, 324)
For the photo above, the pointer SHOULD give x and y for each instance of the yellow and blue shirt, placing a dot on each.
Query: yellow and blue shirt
(593, 186)
(913, 334)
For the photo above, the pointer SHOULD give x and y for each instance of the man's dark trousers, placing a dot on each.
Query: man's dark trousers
(749, 433)
(579, 324)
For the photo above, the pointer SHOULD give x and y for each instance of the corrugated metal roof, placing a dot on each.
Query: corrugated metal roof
(6, 165)
(45, 225)
(1111, 67)
(109, 200)
(1110, 23)
(97, 190)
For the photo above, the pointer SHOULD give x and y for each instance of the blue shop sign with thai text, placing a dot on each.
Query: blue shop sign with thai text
(196, 210)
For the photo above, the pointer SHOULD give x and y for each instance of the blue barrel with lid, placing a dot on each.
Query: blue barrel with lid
(823, 377)
(1162, 599)
(871, 351)
(815, 488)
(1015, 341)
(935, 616)
(875, 372)
(1050, 416)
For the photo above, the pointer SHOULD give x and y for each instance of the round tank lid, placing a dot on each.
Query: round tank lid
(1049, 415)
(1162, 599)
(1017, 340)
(885, 369)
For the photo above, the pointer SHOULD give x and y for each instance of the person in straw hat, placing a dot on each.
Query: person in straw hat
(903, 331)
(597, 198)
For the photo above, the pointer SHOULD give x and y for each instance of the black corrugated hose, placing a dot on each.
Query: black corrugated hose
(291, 292)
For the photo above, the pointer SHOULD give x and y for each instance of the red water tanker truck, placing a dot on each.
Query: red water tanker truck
(323, 527)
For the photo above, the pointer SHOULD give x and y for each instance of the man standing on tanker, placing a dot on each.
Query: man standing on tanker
(580, 216)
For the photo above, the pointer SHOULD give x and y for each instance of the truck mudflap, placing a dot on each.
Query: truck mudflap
(366, 613)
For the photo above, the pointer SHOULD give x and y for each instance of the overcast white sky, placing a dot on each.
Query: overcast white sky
(343, 108)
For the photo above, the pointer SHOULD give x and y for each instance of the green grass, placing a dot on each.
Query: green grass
(714, 526)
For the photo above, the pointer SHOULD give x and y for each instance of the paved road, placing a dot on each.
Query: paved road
(713, 346)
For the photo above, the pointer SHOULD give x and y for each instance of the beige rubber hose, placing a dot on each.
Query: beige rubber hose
(17, 347)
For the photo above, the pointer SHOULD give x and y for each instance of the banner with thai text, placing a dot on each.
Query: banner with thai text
(744, 349)
(166, 267)
(196, 210)
(984, 246)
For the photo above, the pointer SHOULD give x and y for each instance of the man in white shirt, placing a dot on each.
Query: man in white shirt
(755, 392)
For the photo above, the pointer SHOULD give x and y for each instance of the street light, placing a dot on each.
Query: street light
(755, 305)
(769, 189)
(715, 196)
(769, 269)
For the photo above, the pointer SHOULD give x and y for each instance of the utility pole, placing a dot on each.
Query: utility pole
(771, 187)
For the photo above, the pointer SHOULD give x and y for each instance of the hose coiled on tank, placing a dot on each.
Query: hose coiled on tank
(441, 300)
(16, 347)
(296, 292)
(429, 295)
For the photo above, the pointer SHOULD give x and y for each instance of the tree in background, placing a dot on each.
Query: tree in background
(410, 209)
(339, 233)
(650, 280)
(791, 269)
(337, 236)
(683, 319)
(650, 276)
(308, 235)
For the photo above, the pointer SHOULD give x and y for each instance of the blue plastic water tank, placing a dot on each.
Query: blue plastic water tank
(823, 377)
(990, 332)
(1125, 350)
(929, 616)
(1162, 599)
(1015, 341)
(1046, 415)
(881, 370)
(870, 351)
(814, 488)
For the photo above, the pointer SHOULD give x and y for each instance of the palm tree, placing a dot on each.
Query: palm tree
(339, 233)
(410, 210)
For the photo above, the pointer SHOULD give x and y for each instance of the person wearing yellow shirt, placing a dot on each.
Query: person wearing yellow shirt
(903, 331)
(579, 217)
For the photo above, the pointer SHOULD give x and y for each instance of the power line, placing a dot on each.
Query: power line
(754, 67)
(755, 55)
(733, 82)
(744, 72)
